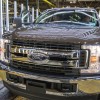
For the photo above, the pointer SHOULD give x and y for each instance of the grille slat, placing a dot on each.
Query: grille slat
(45, 69)
(66, 46)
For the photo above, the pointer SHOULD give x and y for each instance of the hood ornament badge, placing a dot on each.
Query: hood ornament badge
(38, 56)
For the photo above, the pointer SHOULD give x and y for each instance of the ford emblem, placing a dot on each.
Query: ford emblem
(38, 57)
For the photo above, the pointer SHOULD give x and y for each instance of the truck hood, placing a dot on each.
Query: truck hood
(59, 34)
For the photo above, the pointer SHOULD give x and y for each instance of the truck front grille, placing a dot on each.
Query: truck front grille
(48, 58)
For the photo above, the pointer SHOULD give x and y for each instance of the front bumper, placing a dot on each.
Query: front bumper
(16, 81)
(22, 92)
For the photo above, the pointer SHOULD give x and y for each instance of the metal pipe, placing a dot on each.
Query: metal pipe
(1, 30)
(4, 17)
(28, 19)
(15, 8)
(33, 14)
(27, 4)
(1, 20)
(7, 15)
(58, 4)
(99, 13)
(37, 13)
(38, 5)
(22, 8)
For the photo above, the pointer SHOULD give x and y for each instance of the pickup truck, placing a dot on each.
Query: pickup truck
(56, 57)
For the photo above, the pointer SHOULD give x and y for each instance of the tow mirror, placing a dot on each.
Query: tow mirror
(17, 22)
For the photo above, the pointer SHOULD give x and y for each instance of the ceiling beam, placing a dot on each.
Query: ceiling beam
(49, 3)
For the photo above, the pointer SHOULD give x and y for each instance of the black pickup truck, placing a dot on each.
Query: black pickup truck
(56, 57)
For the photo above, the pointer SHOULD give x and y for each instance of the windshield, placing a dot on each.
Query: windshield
(77, 17)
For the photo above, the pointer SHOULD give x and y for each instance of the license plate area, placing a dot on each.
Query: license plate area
(36, 87)
(68, 87)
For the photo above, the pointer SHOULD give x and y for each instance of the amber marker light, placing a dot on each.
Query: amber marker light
(2, 50)
(93, 59)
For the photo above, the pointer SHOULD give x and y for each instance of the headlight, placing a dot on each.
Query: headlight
(94, 63)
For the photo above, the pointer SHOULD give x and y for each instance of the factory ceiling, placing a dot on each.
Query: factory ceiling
(45, 4)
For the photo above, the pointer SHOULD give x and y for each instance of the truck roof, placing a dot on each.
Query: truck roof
(72, 8)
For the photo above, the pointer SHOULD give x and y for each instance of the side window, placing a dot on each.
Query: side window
(48, 20)
(75, 17)
(89, 18)
(54, 18)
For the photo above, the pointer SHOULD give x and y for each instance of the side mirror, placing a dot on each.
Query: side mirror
(17, 22)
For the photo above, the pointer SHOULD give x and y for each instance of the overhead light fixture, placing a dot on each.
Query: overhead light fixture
(48, 2)
(72, 1)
